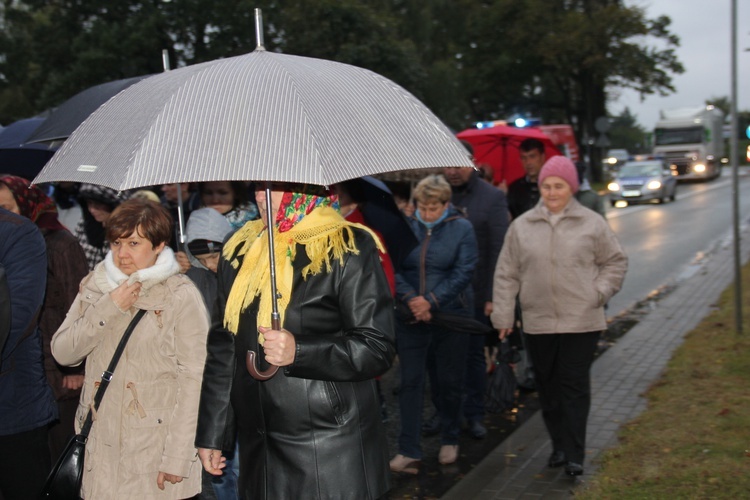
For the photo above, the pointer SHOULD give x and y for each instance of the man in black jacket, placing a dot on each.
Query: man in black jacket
(486, 208)
(523, 193)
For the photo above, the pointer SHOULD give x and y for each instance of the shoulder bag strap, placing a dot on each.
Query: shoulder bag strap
(107, 374)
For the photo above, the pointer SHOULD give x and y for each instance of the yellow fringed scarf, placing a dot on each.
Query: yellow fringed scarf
(322, 234)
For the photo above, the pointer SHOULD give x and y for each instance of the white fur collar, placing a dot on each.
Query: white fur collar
(166, 265)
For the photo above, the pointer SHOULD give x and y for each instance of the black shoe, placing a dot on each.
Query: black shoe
(557, 459)
(477, 430)
(431, 426)
(573, 469)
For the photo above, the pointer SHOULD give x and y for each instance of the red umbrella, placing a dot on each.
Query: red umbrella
(498, 147)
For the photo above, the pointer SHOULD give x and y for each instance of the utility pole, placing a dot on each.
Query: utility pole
(733, 144)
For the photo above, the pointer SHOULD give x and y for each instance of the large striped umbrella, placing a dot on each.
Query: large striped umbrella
(263, 116)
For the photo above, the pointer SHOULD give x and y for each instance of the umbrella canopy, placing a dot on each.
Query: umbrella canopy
(262, 116)
(69, 115)
(16, 156)
(498, 147)
(381, 213)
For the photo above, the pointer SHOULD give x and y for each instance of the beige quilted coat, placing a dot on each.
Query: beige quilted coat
(563, 273)
(146, 422)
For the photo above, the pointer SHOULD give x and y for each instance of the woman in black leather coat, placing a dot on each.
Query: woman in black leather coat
(314, 429)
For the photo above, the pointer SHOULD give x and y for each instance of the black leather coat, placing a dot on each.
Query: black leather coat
(313, 430)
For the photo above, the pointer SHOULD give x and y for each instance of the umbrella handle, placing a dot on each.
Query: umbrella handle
(252, 367)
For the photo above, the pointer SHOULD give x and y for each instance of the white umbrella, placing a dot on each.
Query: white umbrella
(263, 116)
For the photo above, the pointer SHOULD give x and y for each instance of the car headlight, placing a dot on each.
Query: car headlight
(613, 186)
(653, 185)
(699, 168)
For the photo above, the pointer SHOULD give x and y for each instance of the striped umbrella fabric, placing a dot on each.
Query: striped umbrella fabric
(262, 116)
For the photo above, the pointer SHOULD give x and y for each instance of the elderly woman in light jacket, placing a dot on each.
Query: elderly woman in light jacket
(564, 263)
(141, 441)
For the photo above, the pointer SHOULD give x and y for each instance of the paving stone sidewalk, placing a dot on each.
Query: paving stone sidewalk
(517, 469)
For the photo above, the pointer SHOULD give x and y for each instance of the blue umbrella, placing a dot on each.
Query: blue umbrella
(19, 158)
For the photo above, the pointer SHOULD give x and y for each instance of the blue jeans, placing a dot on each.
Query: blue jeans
(225, 486)
(414, 343)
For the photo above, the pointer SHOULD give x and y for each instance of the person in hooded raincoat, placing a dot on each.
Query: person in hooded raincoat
(204, 237)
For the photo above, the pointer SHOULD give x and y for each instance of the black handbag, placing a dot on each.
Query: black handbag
(501, 386)
(64, 481)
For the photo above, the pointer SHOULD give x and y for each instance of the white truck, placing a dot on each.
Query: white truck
(691, 141)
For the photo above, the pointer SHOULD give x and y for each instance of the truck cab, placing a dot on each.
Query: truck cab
(691, 141)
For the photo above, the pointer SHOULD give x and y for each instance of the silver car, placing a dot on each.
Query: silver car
(644, 180)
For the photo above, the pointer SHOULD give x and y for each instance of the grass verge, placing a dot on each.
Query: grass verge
(693, 441)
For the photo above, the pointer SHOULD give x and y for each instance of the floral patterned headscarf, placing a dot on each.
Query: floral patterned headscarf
(33, 203)
(299, 202)
(308, 217)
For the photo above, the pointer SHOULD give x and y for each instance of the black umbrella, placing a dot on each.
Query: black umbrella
(461, 324)
(65, 119)
(453, 322)
(19, 158)
(381, 213)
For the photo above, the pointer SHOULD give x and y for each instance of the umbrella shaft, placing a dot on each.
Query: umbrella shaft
(275, 318)
(180, 220)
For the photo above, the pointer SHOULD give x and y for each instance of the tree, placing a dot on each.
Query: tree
(724, 103)
(467, 60)
(51, 50)
(577, 50)
(626, 133)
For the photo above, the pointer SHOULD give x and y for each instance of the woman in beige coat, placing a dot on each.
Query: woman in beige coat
(564, 263)
(141, 442)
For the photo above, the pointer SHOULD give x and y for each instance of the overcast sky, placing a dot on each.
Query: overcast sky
(704, 28)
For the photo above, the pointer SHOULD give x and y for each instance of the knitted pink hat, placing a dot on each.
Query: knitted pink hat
(562, 167)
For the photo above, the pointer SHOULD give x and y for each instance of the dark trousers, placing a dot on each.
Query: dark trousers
(24, 464)
(475, 381)
(63, 429)
(562, 364)
(414, 342)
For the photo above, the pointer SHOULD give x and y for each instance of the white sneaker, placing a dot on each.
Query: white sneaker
(448, 454)
(407, 465)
